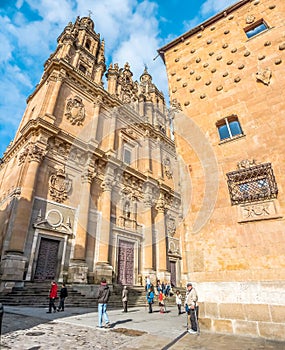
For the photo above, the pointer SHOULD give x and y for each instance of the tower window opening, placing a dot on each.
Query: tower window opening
(88, 44)
(82, 68)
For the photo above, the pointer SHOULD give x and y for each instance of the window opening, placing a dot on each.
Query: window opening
(255, 29)
(252, 184)
(229, 127)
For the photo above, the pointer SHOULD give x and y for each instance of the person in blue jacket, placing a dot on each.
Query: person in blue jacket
(149, 297)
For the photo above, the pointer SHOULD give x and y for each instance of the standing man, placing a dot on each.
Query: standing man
(103, 295)
(125, 293)
(52, 297)
(62, 295)
(192, 309)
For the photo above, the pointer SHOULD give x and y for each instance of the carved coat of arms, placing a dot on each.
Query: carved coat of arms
(59, 186)
(75, 111)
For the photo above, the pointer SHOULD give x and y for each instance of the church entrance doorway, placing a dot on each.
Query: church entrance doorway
(173, 272)
(46, 267)
(126, 262)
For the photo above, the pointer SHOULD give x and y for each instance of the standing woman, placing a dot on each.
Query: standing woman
(178, 301)
(125, 293)
(149, 297)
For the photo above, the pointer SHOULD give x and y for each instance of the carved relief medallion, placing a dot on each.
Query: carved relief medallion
(75, 111)
(59, 186)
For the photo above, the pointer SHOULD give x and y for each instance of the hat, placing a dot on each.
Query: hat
(189, 284)
(103, 280)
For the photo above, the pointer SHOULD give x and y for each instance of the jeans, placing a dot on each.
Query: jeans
(51, 304)
(61, 304)
(193, 318)
(102, 308)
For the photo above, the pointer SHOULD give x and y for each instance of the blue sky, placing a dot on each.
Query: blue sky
(133, 30)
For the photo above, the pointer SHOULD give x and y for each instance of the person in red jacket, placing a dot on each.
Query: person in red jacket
(52, 297)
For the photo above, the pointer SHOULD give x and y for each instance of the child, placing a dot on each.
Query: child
(161, 297)
(178, 301)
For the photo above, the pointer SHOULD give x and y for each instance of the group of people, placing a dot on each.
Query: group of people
(190, 305)
(53, 296)
(103, 295)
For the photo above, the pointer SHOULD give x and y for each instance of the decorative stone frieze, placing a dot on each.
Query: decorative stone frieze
(75, 111)
(59, 186)
(258, 211)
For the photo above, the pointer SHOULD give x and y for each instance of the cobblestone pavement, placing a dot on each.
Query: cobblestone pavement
(32, 329)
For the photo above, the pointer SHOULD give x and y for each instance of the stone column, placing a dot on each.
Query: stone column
(54, 84)
(13, 261)
(103, 267)
(148, 234)
(161, 243)
(78, 269)
(93, 130)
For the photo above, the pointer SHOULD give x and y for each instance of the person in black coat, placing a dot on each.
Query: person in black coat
(63, 294)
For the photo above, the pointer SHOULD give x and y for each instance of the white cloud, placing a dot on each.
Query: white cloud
(211, 7)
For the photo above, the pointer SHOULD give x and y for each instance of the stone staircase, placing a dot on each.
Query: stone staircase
(36, 295)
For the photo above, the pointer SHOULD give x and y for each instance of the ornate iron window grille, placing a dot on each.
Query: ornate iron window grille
(252, 184)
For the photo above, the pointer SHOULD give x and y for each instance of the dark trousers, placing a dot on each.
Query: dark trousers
(125, 306)
(179, 308)
(51, 304)
(61, 304)
(150, 307)
(192, 318)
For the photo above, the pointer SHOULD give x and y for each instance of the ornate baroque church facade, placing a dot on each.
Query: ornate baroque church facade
(89, 186)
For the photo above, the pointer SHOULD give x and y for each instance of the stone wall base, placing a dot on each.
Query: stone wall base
(255, 320)
(77, 272)
(13, 267)
(103, 270)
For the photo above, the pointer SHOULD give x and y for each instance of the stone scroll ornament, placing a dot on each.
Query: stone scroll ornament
(59, 186)
(264, 76)
(75, 111)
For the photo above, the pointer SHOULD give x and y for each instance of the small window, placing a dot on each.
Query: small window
(229, 127)
(82, 68)
(127, 156)
(255, 29)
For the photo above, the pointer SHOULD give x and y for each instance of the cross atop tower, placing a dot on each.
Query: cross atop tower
(90, 13)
